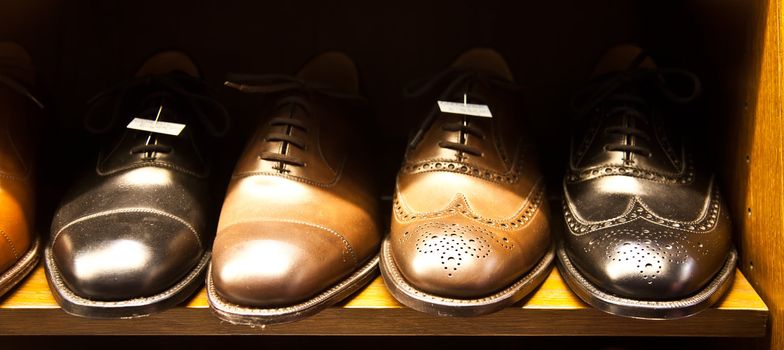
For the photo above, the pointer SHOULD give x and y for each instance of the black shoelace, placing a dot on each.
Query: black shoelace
(616, 91)
(272, 84)
(464, 127)
(156, 91)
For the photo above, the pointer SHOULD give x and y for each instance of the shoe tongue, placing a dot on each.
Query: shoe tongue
(623, 58)
(168, 62)
(486, 61)
(334, 70)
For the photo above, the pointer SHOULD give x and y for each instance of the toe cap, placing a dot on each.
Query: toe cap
(646, 262)
(268, 264)
(122, 255)
(460, 260)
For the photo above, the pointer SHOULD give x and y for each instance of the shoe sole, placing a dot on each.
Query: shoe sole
(442, 306)
(239, 314)
(132, 308)
(11, 277)
(647, 309)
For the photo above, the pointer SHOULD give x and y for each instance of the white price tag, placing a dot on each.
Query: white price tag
(465, 109)
(155, 126)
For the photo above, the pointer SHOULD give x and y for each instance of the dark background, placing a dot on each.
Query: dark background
(81, 47)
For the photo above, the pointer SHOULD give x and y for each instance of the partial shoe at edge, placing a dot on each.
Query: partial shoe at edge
(19, 245)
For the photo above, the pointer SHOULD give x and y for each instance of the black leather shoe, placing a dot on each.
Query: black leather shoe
(647, 233)
(131, 238)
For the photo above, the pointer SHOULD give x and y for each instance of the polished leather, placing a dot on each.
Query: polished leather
(17, 195)
(137, 222)
(642, 226)
(288, 232)
(463, 225)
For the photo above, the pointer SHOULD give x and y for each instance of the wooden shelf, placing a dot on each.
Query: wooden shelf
(551, 310)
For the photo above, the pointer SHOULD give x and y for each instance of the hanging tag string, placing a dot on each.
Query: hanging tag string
(157, 116)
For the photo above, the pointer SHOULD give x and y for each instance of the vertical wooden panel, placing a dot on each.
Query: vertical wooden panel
(755, 147)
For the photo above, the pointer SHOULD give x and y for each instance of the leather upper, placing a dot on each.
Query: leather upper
(287, 232)
(138, 221)
(647, 224)
(466, 225)
(17, 196)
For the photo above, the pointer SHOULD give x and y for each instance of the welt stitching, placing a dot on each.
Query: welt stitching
(705, 216)
(342, 238)
(535, 191)
(680, 172)
(130, 210)
(10, 244)
(153, 164)
(445, 160)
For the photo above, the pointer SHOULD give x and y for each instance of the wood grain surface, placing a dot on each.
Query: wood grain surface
(31, 310)
(752, 143)
(762, 238)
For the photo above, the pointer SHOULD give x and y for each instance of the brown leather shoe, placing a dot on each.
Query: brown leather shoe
(299, 227)
(470, 232)
(18, 244)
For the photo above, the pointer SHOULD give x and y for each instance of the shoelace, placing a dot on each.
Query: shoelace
(272, 84)
(14, 85)
(176, 87)
(613, 90)
(458, 76)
